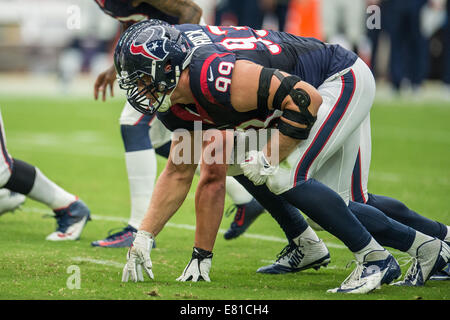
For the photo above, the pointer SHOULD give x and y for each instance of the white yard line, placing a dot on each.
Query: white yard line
(102, 262)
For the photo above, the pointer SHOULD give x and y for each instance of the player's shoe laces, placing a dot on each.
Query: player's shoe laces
(120, 239)
(431, 257)
(298, 255)
(70, 221)
(10, 201)
(370, 274)
(244, 217)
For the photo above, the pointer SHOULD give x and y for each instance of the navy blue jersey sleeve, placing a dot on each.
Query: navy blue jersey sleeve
(210, 75)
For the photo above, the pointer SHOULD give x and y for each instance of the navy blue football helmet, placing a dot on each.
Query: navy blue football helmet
(154, 49)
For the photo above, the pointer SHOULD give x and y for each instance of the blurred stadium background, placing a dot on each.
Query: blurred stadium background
(59, 46)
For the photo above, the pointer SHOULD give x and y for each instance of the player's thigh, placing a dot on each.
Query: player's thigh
(360, 175)
(5, 159)
(336, 172)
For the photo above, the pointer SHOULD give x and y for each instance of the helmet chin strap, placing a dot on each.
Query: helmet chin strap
(166, 103)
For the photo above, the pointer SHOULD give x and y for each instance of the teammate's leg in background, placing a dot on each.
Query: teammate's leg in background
(245, 207)
(140, 159)
(21, 177)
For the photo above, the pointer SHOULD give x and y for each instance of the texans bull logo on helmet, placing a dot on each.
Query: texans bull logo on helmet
(150, 48)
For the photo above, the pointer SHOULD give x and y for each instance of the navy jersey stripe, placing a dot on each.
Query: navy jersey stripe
(357, 191)
(327, 128)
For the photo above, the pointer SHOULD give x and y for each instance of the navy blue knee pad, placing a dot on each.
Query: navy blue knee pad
(136, 137)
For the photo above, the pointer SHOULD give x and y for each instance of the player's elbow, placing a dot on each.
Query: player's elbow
(316, 100)
(191, 14)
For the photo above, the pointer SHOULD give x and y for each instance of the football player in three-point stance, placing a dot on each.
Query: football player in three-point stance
(20, 179)
(318, 96)
(144, 136)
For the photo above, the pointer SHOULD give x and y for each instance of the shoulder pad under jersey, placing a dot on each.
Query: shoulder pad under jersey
(210, 73)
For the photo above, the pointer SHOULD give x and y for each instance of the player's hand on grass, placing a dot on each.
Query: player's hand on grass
(104, 80)
(138, 258)
(198, 268)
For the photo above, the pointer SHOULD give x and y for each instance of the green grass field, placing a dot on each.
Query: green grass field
(76, 142)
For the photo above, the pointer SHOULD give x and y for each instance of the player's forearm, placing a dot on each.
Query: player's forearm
(209, 204)
(191, 14)
(279, 147)
(170, 191)
(186, 10)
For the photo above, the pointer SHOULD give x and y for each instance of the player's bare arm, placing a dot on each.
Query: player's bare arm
(210, 194)
(246, 77)
(187, 11)
(170, 191)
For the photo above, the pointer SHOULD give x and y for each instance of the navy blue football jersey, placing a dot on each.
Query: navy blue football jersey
(123, 11)
(211, 68)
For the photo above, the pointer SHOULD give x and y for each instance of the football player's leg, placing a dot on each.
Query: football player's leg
(393, 208)
(245, 208)
(323, 196)
(304, 250)
(429, 254)
(71, 213)
(287, 216)
(140, 160)
(23, 178)
(9, 201)
(397, 210)
(346, 103)
(329, 154)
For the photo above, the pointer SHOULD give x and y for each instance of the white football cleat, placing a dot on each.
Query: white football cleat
(431, 257)
(370, 274)
(71, 221)
(298, 255)
(10, 201)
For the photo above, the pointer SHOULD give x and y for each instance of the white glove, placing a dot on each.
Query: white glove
(138, 258)
(199, 266)
(257, 168)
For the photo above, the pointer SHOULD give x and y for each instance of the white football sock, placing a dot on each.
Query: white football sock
(238, 194)
(418, 241)
(447, 237)
(376, 250)
(46, 191)
(142, 171)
